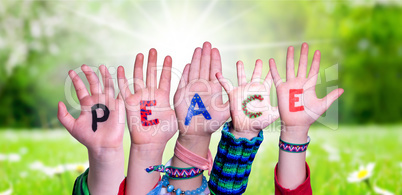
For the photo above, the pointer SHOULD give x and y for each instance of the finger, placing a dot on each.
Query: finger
(79, 86)
(195, 65)
(93, 80)
(122, 83)
(257, 71)
(331, 97)
(138, 72)
(274, 72)
(216, 64)
(184, 77)
(290, 65)
(65, 118)
(315, 66)
(241, 76)
(303, 61)
(166, 75)
(151, 69)
(205, 61)
(224, 83)
(107, 81)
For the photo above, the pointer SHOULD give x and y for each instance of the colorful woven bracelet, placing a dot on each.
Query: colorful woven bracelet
(293, 148)
(176, 172)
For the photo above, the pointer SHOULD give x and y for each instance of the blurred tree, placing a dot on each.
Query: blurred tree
(36, 43)
(371, 45)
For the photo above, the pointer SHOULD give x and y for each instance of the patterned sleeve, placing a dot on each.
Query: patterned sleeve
(81, 185)
(233, 162)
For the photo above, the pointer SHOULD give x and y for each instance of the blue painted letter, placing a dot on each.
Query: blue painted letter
(202, 110)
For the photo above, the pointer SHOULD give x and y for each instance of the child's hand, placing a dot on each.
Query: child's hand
(108, 133)
(297, 100)
(100, 127)
(208, 112)
(250, 106)
(150, 118)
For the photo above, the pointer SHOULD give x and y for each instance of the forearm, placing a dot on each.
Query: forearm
(106, 170)
(292, 166)
(198, 145)
(142, 157)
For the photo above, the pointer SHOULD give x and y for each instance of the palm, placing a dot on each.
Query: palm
(301, 107)
(199, 77)
(141, 132)
(109, 134)
(250, 115)
(162, 111)
(213, 103)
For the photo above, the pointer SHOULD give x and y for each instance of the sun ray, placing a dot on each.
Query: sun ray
(149, 18)
(168, 15)
(184, 15)
(199, 23)
(230, 21)
(112, 25)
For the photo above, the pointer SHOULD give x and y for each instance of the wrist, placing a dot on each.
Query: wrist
(294, 134)
(248, 134)
(150, 149)
(146, 155)
(105, 154)
(198, 144)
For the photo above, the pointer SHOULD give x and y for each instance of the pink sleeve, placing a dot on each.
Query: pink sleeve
(302, 189)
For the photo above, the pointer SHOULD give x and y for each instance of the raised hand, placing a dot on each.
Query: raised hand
(100, 127)
(199, 108)
(108, 133)
(250, 106)
(151, 120)
(297, 99)
(198, 100)
(149, 115)
(299, 107)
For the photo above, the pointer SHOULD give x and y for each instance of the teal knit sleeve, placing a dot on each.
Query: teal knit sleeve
(233, 162)
(81, 185)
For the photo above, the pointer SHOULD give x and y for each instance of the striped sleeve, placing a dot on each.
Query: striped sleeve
(233, 162)
(81, 185)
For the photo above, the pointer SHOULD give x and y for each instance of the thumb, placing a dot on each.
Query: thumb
(331, 97)
(65, 118)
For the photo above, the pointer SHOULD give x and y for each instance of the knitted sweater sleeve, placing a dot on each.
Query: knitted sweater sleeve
(302, 189)
(233, 162)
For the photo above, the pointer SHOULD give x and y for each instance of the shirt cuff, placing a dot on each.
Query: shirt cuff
(81, 184)
(233, 162)
(302, 189)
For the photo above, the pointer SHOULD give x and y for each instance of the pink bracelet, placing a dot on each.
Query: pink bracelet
(193, 159)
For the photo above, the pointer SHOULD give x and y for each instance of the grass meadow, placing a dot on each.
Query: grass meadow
(27, 159)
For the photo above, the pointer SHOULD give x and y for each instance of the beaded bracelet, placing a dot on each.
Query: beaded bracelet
(175, 172)
(178, 191)
(293, 148)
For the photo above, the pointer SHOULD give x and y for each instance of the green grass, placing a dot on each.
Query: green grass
(355, 145)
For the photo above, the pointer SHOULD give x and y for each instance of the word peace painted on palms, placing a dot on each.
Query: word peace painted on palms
(95, 118)
(293, 99)
(145, 113)
(248, 100)
(201, 110)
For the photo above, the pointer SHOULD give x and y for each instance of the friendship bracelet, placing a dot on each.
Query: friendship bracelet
(178, 191)
(175, 172)
(193, 159)
(293, 148)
